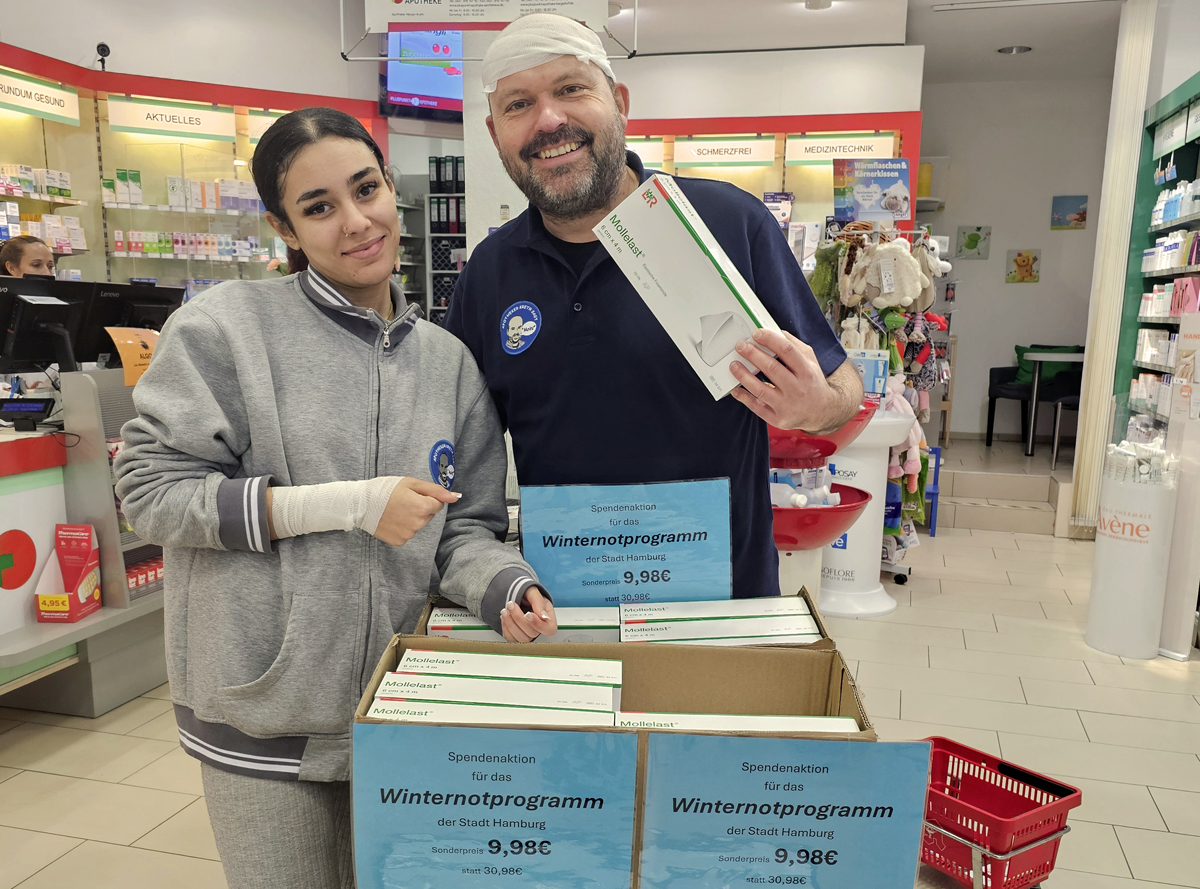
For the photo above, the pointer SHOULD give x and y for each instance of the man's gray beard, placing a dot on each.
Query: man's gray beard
(593, 194)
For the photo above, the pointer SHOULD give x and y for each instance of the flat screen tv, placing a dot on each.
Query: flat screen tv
(428, 84)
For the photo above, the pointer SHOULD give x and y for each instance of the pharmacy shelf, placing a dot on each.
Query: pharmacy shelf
(413, 237)
(164, 208)
(1179, 222)
(400, 206)
(73, 252)
(1173, 273)
(406, 262)
(183, 257)
(444, 272)
(1158, 319)
(1149, 365)
(1153, 415)
(45, 199)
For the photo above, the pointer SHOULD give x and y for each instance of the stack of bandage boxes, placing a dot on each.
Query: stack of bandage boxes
(778, 620)
(499, 689)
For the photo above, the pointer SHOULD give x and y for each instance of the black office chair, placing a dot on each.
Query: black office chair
(1064, 393)
(1002, 384)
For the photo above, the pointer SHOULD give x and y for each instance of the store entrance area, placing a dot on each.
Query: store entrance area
(998, 488)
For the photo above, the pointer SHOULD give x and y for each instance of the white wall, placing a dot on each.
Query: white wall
(763, 84)
(1012, 147)
(289, 45)
(1176, 53)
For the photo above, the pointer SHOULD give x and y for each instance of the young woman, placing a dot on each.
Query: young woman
(26, 255)
(314, 461)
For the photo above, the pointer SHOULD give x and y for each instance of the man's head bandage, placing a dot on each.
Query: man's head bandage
(539, 38)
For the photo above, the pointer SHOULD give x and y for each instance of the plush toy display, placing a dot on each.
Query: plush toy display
(859, 333)
(865, 281)
(928, 255)
(823, 280)
(905, 459)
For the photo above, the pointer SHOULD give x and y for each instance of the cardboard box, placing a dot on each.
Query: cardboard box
(135, 186)
(444, 618)
(586, 761)
(108, 191)
(780, 680)
(210, 195)
(664, 248)
(69, 588)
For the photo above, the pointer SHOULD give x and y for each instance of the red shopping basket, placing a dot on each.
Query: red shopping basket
(991, 824)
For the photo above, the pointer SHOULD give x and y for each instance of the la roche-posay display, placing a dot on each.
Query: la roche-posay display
(664, 248)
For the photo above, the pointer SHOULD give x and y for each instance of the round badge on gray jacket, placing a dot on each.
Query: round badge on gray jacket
(441, 464)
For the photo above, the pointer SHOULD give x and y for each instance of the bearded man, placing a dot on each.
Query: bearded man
(599, 394)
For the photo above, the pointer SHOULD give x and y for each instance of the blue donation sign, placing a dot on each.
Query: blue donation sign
(606, 544)
(447, 807)
(727, 811)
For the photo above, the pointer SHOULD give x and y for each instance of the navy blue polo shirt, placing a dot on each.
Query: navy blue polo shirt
(595, 392)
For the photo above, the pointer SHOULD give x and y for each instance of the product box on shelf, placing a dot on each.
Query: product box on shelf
(20, 175)
(872, 365)
(592, 793)
(176, 198)
(108, 191)
(13, 211)
(210, 195)
(667, 252)
(69, 588)
(228, 194)
(118, 241)
(135, 187)
(122, 183)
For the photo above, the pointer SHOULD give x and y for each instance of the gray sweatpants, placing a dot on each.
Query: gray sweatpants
(280, 833)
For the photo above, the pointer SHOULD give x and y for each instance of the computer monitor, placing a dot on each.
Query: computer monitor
(38, 327)
(122, 305)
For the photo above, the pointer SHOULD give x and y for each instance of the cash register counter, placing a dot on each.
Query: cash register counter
(83, 669)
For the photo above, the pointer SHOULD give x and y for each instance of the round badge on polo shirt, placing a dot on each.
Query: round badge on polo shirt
(519, 327)
(441, 463)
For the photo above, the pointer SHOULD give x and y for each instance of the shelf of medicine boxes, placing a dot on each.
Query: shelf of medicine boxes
(1158, 319)
(1179, 222)
(1150, 365)
(45, 199)
(166, 208)
(1173, 273)
(1146, 412)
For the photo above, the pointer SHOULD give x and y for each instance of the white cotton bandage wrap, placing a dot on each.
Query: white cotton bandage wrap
(335, 506)
(539, 38)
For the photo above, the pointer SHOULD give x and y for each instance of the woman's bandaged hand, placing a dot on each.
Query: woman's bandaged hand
(391, 508)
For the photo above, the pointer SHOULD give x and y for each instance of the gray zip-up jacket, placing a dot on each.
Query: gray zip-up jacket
(284, 382)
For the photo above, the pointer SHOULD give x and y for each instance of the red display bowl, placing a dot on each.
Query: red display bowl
(793, 449)
(812, 527)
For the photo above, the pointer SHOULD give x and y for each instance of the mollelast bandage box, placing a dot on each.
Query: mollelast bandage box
(677, 267)
(500, 692)
(698, 631)
(724, 722)
(600, 624)
(482, 714)
(503, 662)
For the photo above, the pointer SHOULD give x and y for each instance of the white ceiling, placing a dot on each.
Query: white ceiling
(1070, 41)
(672, 26)
(1076, 40)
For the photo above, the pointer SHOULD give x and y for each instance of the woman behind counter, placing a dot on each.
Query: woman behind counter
(300, 451)
(26, 255)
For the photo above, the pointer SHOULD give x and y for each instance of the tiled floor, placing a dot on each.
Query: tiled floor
(986, 648)
(972, 455)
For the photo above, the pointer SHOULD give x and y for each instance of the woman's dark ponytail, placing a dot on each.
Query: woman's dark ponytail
(284, 139)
